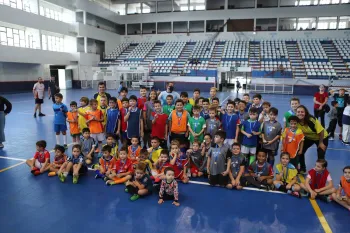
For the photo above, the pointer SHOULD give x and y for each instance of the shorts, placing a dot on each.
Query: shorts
(194, 170)
(83, 170)
(218, 180)
(229, 142)
(39, 101)
(241, 180)
(180, 137)
(60, 128)
(340, 116)
(99, 137)
(248, 150)
(76, 135)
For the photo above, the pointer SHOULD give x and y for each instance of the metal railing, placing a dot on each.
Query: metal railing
(285, 89)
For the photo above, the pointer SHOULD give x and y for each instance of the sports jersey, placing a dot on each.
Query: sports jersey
(261, 169)
(205, 114)
(188, 107)
(287, 115)
(114, 151)
(95, 126)
(196, 124)
(107, 163)
(123, 166)
(104, 114)
(141, 102)
(318, 180)
(73, 126)
(243, 116)
(133, 152)
(145, 181)
(86, 144)
(197, 159)
(123, 124)
(218, 159)
(320, 98)
(60, 111)
(341, 100)
(113, 115)
(345, 185)
(237, 161)
(180, 163)
(41, 156)
(60, 159)
(154, 155)
(212, 126)
(249, 126)
(310, 133)
(229, 124)
(160, 167)
(40, 89)
(270, 131)
(133, 126)
(288, 174)
(167, 109)
(179, 121)
(76, 160)
(291, 141)
(97, 96)
(158, 127)
(82, 120)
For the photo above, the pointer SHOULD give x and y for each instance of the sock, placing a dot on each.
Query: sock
(251, 159)
(65, 174)
(57, 139)
(65, 139)
(278, 185)
(282, 188)
(120, 180)
(289, 191)
(293, 188)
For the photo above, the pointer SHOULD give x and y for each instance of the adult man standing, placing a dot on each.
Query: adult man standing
(101, 93)
(169, 91)
(53, 89)
(39, 94)
(5, 108)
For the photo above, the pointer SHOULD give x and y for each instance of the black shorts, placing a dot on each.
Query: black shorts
(39, 101)
(340, 116)
(218, 180)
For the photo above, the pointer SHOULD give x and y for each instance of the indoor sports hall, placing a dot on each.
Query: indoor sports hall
(279, 49)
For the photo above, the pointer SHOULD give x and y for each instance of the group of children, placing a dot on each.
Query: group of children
(234, 145)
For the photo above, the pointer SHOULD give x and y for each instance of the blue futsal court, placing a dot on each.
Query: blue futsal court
(44, 204)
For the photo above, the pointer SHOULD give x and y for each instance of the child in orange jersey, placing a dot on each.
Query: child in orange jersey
(59, 159)
(160, 165)
(72, 118)
(107, 162)
(134, 149)
(122, 171)
(342, 196)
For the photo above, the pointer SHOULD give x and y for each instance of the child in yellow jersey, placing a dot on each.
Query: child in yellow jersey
(143, 158)
(103, 107)
(84, 107)
(111, 141)
(286, 176)
(154, 151)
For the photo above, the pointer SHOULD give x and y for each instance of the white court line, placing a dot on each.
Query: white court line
(225, 99)
(27, 113)
(23, 101)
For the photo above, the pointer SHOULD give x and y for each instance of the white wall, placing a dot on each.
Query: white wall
(15, 72)
(111, 39)
(240, 36)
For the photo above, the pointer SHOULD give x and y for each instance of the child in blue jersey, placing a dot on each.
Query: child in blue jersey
(113, 117)
(251, 130)
(230, 123)
(246, 99)
(74, 164)
(205, 109)
(60, 125)
(134, 120)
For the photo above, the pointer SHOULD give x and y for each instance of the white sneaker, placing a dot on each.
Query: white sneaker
(1, 145)
(331, 139)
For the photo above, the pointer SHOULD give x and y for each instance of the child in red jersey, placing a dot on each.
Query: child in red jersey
(107, 162)
(143, 98)
(41, 161)
(342, 196)
(179, 162)
(122, 171)
(159, 123)
(160, 165)
(59, 159)
(319, 183)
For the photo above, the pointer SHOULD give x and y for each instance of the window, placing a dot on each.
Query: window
(18, 4)
(12, 37)
(328, 2)
(52, 43)
(148, 7)
(306, 2)
(164, 27)
(165, 6)
(324, 23)
(215, 4)
(134, 8)
(241, 4)
(265, 4)
(120, 9)
(197, 5)
(344, 22)
(345, 1)
(180, 5)
(266, 24)
(42, 11)
(287, 24)
(306, 24)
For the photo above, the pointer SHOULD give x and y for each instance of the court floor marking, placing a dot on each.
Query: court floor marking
(318, 212)
(23, 160)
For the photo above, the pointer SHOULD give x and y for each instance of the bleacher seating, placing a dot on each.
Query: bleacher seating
(308, 58)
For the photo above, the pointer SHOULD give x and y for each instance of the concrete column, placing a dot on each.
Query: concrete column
(85, 45)
(84, 17)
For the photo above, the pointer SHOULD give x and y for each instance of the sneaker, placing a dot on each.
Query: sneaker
(34, 169)
(324, 198)
(1, 145)
(65, 146)
(134, 197)
(340, 137)
(41, 114)
(296, 194)
(36, 173)
(110, 183)
(331, 139)
(52, 174)
(75, 179)
(105, 178)
(62, 178)
(126, 190)
(34, 115)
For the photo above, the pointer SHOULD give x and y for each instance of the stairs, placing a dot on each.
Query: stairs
(126, 53)
(216, 54)
(296, 60)
(254, 55)
(152, 54)
(335, 59)
(181, 61)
